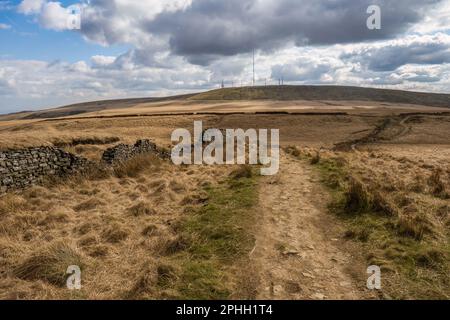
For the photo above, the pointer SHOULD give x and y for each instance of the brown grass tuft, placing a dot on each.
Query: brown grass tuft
(166, 274)
(244, 171)
(413, 226)
(150, 230)
(98, 251)
(430, 258)
(437, 185)
(145, 284)
(115, 233)
(88, 205)
(357, 198)
(315, 159)
(293, 151)
(11, 203)
(135, 166)
(50, 264)
(167, 246)
(142, 209)
(176, 186)
(195, 199)
(362, 198)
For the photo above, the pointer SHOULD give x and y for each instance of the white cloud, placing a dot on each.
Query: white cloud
(437, 19)
(30, 6)
(4, 26)
(108, 77)
(416, 60)
(102, 61)
(40, 84)
(50, 14)
(54, 16)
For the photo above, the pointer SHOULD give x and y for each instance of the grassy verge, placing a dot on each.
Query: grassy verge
(412, 255)
(216, 238)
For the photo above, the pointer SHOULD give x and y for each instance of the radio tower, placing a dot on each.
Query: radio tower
(253, 67)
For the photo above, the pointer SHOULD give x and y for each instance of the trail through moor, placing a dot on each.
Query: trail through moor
(299, 251)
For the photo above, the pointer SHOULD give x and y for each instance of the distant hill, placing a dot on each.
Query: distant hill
(276, 93)
(333, 93)
(94, 106)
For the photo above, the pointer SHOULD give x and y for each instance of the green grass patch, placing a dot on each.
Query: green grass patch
(218, 236)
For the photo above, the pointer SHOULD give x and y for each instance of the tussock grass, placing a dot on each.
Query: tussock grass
(142, 209)
(150, 230)
(200, 197)
(244, 171)
(166, 246)
(115, 233)
(87, 205)
(166, 275)
(360, 198)
(437, 185)
(293, 151)
(135, 166)
(411, 227)
(145, 284)
(90, 173)
(315, 159)
(11, 203)
(50, 264)
(396, 231)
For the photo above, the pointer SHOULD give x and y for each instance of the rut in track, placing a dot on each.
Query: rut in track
(299, 252)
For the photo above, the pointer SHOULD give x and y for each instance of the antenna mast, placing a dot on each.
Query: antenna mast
(253, 67)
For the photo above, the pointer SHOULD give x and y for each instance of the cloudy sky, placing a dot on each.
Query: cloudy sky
(136, 48)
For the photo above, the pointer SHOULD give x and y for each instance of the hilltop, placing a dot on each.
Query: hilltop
(320, 93)
(308, 94)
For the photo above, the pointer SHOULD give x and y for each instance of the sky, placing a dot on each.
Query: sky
(144, 48)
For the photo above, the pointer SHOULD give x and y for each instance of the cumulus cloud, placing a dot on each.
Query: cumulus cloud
(54, 16)
(50, 14)
(427, 49)
(207, 29)
(31, 6)
(40, 83)
(181, 46)
(102, 61)
(307, 69)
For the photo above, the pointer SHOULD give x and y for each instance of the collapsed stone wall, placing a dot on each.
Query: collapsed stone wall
(24, 167)
(123, 152)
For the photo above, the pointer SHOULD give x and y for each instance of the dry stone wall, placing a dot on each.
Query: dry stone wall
(124, 152)
(24, 167)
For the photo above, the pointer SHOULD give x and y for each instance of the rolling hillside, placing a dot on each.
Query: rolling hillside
(333, 93)
(272, 93)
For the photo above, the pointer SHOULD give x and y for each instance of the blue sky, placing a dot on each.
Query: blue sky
(138, 48)
(26, 40)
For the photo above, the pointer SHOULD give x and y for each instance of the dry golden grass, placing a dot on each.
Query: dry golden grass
(49, 264)
(11, 203)
(116, 223)
(135, 166)
(126, 225)
(397, 207)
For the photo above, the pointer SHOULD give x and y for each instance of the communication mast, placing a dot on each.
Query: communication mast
(253, 67)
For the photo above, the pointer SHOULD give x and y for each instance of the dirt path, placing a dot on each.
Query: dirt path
(298, 248)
